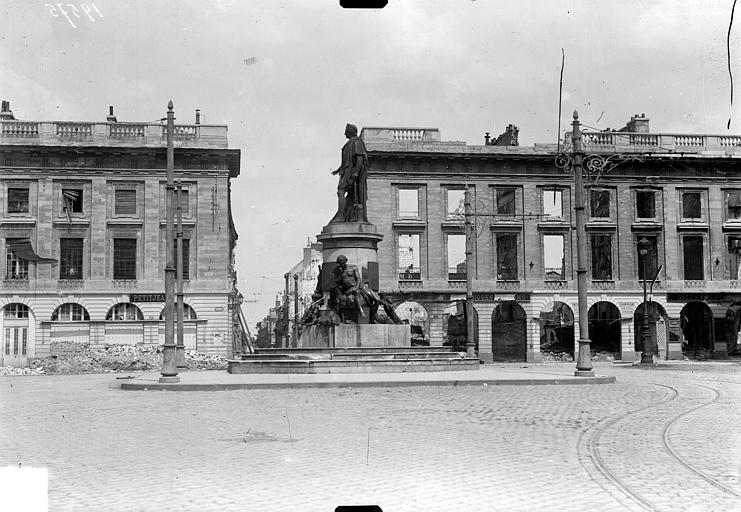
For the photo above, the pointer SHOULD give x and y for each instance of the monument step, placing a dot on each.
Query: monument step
(348, 355)
(350, 366)
(317, 350)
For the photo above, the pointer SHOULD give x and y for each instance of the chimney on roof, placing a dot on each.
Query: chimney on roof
(487, 139)
(198, 116)
(111, 118)
(5, 112)
(508, 138)
(637, 124)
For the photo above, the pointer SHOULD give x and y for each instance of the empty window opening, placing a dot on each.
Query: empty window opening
(506, 256)
(408, 257)
(553, 257)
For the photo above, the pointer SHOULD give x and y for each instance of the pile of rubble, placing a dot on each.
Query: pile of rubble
(112, 358)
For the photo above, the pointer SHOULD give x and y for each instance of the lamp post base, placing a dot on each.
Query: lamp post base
(647, 358)
(584, 359)
(584, 373)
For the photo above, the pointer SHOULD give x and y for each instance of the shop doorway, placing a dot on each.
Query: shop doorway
(697, 329)
(455, 327)
(657, 321)
(733, 326)
(557, 331)
(509, 332)
(604, 328)
(416, 314)
(15, 341)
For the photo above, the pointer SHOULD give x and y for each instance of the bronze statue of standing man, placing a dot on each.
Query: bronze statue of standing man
(352, 190)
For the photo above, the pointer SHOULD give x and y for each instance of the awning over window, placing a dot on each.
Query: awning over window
(24, 250)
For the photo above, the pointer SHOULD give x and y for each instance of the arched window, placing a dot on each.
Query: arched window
(124, 311)
(188, 313)
(70, 312)
(15, 310)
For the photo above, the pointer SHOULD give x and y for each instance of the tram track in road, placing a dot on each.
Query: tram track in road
(592, 448)
(670, 449)
(591, 442)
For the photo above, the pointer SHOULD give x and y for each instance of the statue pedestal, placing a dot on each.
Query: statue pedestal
(355, 335)
(358, 241)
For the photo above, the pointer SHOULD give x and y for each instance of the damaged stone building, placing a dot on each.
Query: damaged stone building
(669, 213)
(82, 232)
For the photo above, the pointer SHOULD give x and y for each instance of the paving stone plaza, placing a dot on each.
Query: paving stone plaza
(662, 439)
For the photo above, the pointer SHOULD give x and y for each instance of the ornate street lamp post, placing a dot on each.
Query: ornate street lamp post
(169, 356)
(649, 346)
(584, 357)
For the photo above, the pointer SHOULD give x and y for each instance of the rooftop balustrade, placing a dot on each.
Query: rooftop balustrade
(660, 142)
(54, 133)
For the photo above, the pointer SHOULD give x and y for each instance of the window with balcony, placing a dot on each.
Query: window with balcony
(505, 201)
(457, 257)
(456, 200)
(649, 243)
(692, 205)
(506, 245)
(124, 258)
(408, 203)
(408, 257)
(553, 204)
(554, 257)
(646, 204)
(125, 202)
(599, 201)
(733, 205)
(15, 266)
(601, 257)
(18, 200)
(693, 257)
(70, 258)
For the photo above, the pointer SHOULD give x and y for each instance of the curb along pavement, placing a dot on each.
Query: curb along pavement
(490, 375)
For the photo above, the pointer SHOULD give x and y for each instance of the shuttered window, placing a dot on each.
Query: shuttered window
(184, 202)
(124, 258)
(70, 258)
(125, 202)
(186, 257)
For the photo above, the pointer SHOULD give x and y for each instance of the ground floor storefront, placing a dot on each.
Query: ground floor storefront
(527, 326)
(38, 326)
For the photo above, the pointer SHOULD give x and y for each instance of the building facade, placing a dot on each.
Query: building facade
(82, 231)
(661, 209)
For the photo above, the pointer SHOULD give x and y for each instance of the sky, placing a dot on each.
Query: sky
(286, 76)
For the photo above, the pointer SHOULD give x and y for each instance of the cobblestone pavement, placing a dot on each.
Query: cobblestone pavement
(662, 439)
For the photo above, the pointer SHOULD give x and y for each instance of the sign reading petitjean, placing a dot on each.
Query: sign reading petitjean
(147, 297)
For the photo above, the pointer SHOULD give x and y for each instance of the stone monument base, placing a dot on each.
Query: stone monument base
(355, 335)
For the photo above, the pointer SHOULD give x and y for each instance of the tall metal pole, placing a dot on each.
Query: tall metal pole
(584, 357)
(468, 228)
(286, 303)
(180, 345)
(295, 311)
(649, 347)
(169, 363)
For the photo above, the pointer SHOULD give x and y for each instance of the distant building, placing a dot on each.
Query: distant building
(82, 231)
(677, 197)
(307, 270)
